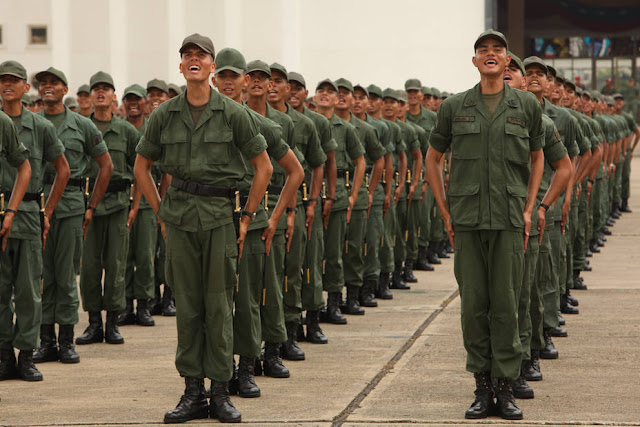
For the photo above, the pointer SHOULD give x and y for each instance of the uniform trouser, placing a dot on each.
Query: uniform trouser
(353, 256)
(387, 246)
(272, 309)
(413, 223)
(105, 247)
(21, 266)
(139, 276)
(425, 218)
(611, 184)
(599, 217)
(544, 295)
(559, 265)
(60, 260)
(161, 250)
(525, 300)
(201, 270)
(295, 258)
(570, 237)
(626, 173)
(333, 279)
(590, 224)
(581, 224)
(617, 189)
(312, 298)
(400, 249)
(375, 230)
(437, 232)
(488, 266)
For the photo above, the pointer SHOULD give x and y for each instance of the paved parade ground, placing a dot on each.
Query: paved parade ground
(402, 363)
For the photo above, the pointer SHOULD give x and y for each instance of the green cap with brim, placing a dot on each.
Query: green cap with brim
(258, 65)
(569, 83)
(35, 97)
(579, 91)
(436, 92)
(230, 59)
(390, 93)
(362, 88)
(13, 68)
(135, 89)
(203, 42)
(402, 95)
(101, 77)
(70, 102)
(426, 90)
(551, 69)
(445, 95)
(329, 82)
(412, 84)
(342, 82)
(310, 101)
(158, 84)
(515, 59)
(491, 34)
(296, 77)
(588, 94)
(83, 89)
(26, 99)
(174, 87)
(534, 61)
(560, 77)
(609, 100)
(617, 95)
(54, 72)
(279, 68)
(374, 90)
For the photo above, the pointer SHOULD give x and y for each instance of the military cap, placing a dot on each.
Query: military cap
(596, 96)
(101, 77)
(587, 93)
(362, 88)
(342, 82)
(279, 68)
(609, 100)
(327, 82)
(560, 77)
(135, 89)
(26, 99)
(445, 95)
(83, 89)
(579, 91)
(426, 90)
(412, 84)
(518, 61)
(402, 95)
(230, 59)
(491, 34)
(551, 69)
(568, 82)
(310, 101)
(35, 97)
(70, 102)
(374, 90)
(436, 92)
(158, 84)
(13, 68)
(54, 72)
(535, 61)
(617, 95)
(203, 42)
(390, 93)
(174, 87)
(296, 77)
(258, 65)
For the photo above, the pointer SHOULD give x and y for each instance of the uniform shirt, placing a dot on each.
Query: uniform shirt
(491, 157)
(12, 151)
(373, 150)
(82, 141)
(398, 142)
(410, 136)
(38, 136)
(323, 127)
(566, 124)
(384, 136)
(349, 148)
(423, 138)
(156, 173)
(209, 153)
(426, 119)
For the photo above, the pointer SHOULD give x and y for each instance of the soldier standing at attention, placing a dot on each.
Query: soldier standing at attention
(495, 134)
(198, 138)
(83, 96)
(61, 257)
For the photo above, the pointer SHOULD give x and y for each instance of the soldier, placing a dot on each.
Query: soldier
(174, 90)
(107, 238)
(631, 144)
(21, 261)
(196, 138)
(70, 220)
(495, 135)
(71, 104)
(83, 96)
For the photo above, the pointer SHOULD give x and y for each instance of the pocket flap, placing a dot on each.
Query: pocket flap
(517, 190)
(218, 135)
(464, 190)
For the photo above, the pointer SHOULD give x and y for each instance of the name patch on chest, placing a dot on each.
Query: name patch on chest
(464, 118)
(516, 121)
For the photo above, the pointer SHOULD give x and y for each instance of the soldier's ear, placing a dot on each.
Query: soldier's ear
(473, 59)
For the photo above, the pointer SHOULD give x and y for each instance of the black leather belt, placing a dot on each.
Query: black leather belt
(28, 197)
(342, 173)
(274, 189)
(198, 189)
(73, 182)
(118, 185)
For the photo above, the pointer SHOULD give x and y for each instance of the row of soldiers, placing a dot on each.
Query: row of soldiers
(344, 208)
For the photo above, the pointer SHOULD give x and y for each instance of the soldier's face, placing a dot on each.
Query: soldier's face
(12, 88)
(155, 97)
(389, 108)
(297, 94)
(402, 108)
(84, 100)
(375, 103)
(280, 88)
(360, 102)
(230, 83)
(51, 89)
(557, 92)
(259, 84)
(345, 99)
(196, 65)
(491, 57)
(103, 95)
(133, 105)
(619, 103)
(427, 102)
(326, 96)
(568, 98)
(513, 77)
(536, 80)
(414, 97)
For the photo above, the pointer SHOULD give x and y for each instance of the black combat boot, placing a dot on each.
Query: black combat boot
(94, 332)
(155, 306)
(290, 349)
(483, 404)
(245, 383)
(26, 368)
(168, 305)
(353, 303)
(557, 331)
(111, 331)
(625, 206)
(421, 263)
(272, 365)
(561, 320)
(549, 351)
(610, 222)
(531, 367)
(615, 211)
(589, 254)
(578, 283)
(442, 250)
(143, 315)
(606, 231)
(505, 403)
(448, 246)
(127, 316)
(67, 349)
(192, 406)
(334, 315)
(408, 275)
(565, 307)
(396, 278)
(593, 246)
(367, 293)
(383, 291)
(520, 388)
(314, 333)
(221, 406)
(432, 254)
(572, 300)
(48, 350)
(8, 365)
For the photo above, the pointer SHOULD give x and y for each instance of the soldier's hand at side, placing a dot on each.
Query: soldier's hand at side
(566, 207)
(527, 228)
(578, 190)
(267, 235)
(352, 201)
(369, 205)
(424, 191)
(291, 221)
(326, 211)
(6, 228)
(386, 205)
(446, 218)
(242, 233)
(311, 213)
(88, 217)
(397, 194)
(45, 231)
(589, 189)
(162, 229)
(131, 217)
(542, 220)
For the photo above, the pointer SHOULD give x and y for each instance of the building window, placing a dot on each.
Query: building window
(38, 35)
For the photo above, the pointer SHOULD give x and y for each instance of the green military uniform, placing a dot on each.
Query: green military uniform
(415, 211)
(21, 261)
(201, 239)
(626, 169)
(486, 195)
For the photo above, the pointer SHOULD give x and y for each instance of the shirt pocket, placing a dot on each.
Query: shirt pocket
(516, 143)
(464, 204)
(118, 153)
(517, 195)
(174, 147)
(466, 141)
(216, 146)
